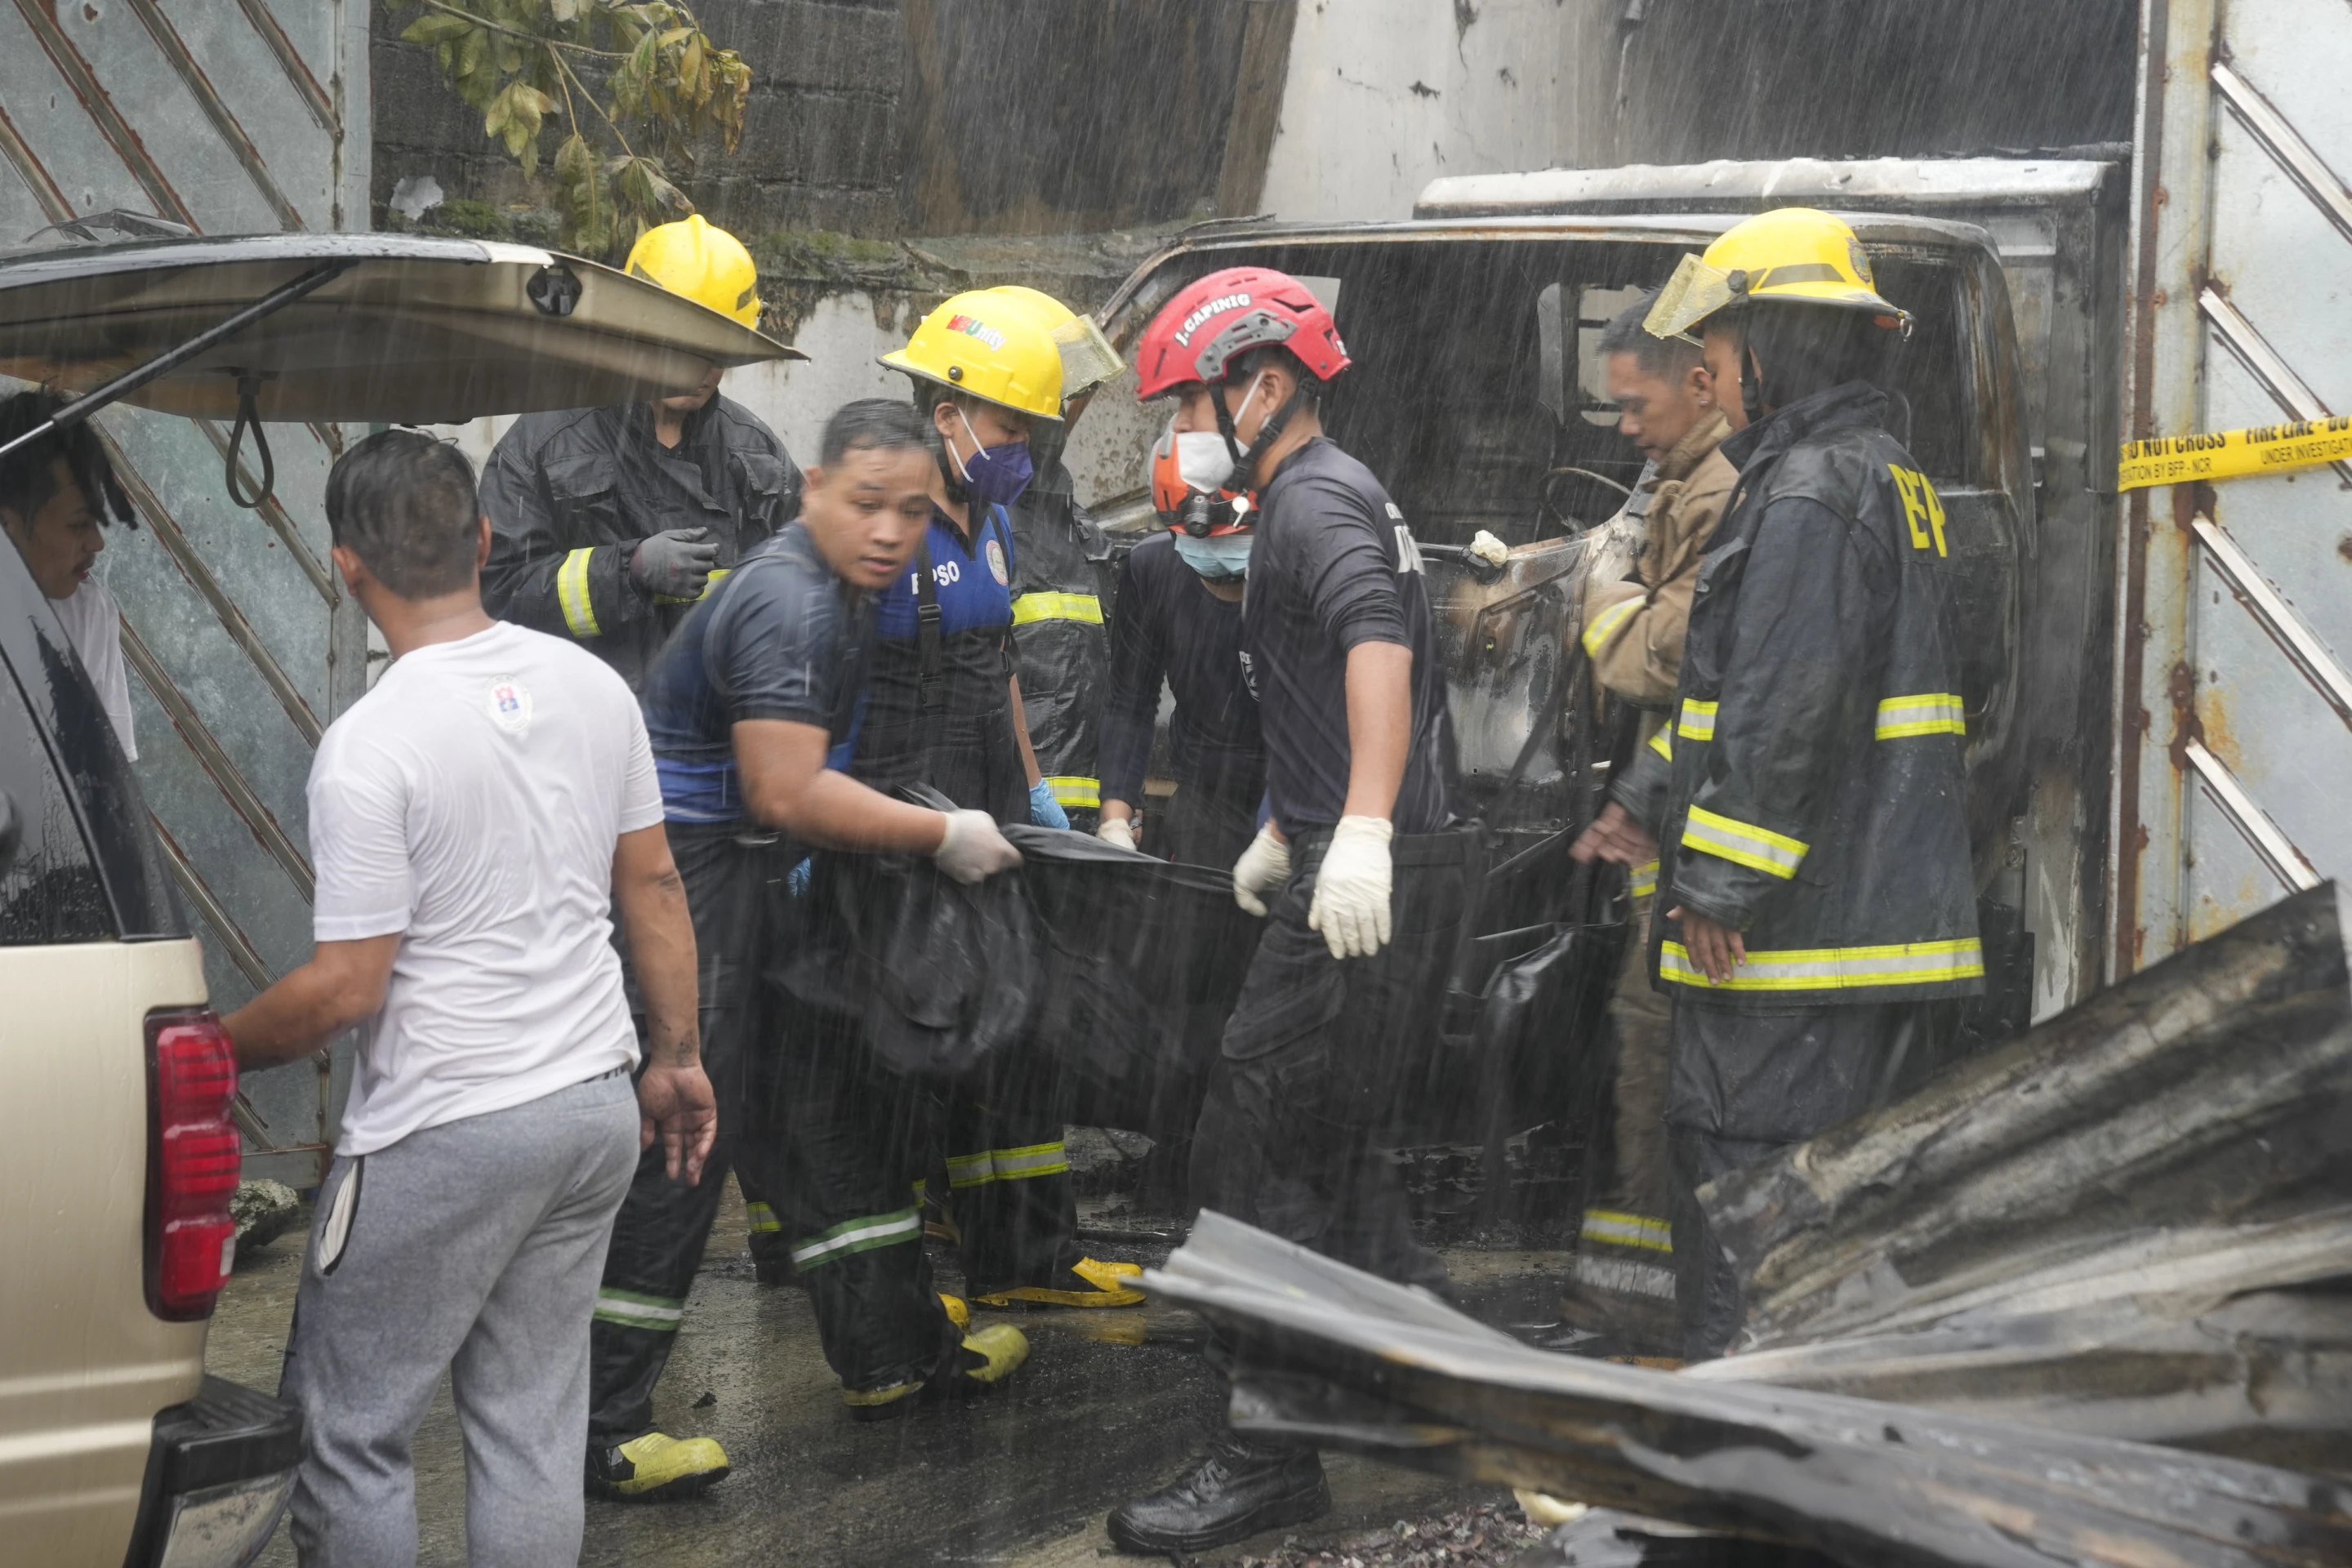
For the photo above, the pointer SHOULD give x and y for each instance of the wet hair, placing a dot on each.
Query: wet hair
(1668, 359)
(404, 504)
(1806, 349)
(874, 424)
(28, 476)
(1274, 356)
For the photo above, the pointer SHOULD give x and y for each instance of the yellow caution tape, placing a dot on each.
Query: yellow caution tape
(2234, 454)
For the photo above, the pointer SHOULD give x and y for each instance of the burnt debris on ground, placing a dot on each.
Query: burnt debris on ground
(2085, 1300)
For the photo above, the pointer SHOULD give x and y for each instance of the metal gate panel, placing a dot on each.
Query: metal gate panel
(2235, 754)
(226, 115)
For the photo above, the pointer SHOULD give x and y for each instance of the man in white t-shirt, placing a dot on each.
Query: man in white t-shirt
(474, 820)
(50, 492)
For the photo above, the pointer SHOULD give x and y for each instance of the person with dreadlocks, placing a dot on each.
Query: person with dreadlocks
(55, 493)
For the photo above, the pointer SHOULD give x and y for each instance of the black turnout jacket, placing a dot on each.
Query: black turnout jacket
(1061, 651)
(570, 495)
(1810, 790)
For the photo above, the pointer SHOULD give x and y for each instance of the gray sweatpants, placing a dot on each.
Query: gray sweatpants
(474, 1246)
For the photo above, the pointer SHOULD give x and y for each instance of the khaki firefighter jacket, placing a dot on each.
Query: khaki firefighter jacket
(1810, 790)
(1634, 630)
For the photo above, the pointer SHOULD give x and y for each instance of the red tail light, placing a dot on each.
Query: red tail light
(194, 1156)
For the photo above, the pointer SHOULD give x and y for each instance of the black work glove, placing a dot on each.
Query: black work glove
(672, 564)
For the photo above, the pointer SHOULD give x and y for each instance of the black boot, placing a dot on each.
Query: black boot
(1239, 1490)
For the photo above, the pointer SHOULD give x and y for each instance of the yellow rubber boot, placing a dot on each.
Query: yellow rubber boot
(1108, 1287)
(958, 1314)
(655, 1467)
(1000, 1347)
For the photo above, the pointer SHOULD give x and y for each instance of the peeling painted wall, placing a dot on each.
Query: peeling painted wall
(1383, 96)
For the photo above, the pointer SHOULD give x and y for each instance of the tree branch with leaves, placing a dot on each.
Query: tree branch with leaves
(610, 70)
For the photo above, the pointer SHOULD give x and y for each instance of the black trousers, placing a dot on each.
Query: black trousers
(840, 1145)
(1200, 827)
(1315, 1059)
(1745, 1087)
(1009, 1183)
(659, 1233)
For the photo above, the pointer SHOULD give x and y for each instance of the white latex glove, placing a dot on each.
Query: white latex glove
(1263, 866)
(973, 850)
(1119, 830)
(1352, 889)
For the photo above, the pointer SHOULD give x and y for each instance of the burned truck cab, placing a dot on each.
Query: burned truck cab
(1477, 397)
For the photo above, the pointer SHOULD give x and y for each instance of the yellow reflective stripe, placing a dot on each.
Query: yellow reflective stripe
(1629, 1230)
(1929, 713)
(1604, 625)
(1031, 607)
(1070, 790)
(1037, 1160)
(861, 1234)
(760, 1216)
(707, 584)
(1661, 744)
(1697, 721)
(1644, 879)
(1835, 968)
(1743, 844)
(1006, 1165)
(970, 1170)
(572, 593)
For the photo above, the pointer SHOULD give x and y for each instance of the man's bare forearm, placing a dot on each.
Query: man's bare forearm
(1379, 726)
(833, 811)
(650, 897)
(661, 948)
(340, 985)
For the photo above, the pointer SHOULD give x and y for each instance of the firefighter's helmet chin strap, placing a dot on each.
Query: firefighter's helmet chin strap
(1751, 386)
(1245, 463)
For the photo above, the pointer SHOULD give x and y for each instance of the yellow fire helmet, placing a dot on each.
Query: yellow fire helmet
(1088, 358)
(1798, 254)
(705, 264)
(990, 346)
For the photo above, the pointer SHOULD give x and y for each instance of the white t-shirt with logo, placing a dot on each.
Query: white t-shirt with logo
(472, 802)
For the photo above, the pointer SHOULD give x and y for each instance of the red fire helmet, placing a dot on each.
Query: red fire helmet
(1217, 319)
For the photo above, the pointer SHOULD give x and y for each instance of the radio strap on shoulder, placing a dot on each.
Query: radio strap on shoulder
(926, 625)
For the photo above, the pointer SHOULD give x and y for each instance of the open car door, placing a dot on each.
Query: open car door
(242, 644)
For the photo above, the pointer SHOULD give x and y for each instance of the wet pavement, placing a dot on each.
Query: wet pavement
(1111, 1403)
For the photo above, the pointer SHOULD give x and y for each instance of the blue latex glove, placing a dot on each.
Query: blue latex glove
(1045, 811)
(796, 881)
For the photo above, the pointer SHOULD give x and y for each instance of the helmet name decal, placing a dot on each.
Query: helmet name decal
(974, 327)
(1217, 307)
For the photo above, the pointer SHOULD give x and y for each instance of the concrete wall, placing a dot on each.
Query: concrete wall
(820, 138)
(1383, 96)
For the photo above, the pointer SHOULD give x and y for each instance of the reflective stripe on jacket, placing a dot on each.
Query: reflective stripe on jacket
(1811, 789)
(570, 496)
(1061, 647)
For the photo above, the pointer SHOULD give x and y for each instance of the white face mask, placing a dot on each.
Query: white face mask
(1202, 455)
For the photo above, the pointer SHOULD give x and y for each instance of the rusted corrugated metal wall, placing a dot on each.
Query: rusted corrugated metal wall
(2234, 743)
(229, 116)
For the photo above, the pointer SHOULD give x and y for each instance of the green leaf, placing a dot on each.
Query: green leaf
(435, 28)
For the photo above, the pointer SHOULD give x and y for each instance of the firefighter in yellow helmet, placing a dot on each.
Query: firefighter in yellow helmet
(1061, 562)
(607, 523)
(606, 526)
(1806, 805)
